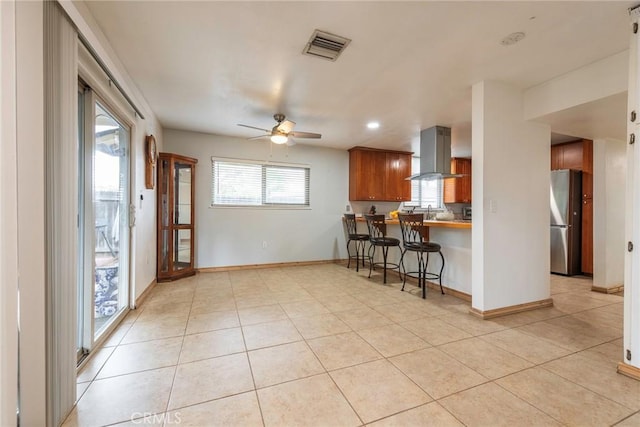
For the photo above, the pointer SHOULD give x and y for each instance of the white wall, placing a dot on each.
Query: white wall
(235, 236)
(603, 78)
(31, 219)
(8, 219)
(510, 234)
(609, 176)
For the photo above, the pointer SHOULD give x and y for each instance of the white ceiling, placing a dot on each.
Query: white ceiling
(207, 66)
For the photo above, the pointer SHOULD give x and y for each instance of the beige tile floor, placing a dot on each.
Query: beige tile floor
(323, 345)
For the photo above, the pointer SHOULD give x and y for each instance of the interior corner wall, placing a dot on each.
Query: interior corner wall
(31, 211)
(510, 234)
(8, 219)
(609, 176)
(227, 236)
(594, 81)
(631, 329)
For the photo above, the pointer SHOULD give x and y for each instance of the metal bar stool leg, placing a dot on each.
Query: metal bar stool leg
(404, 279)
(372, 248)
(357, 255)
(441, 269)
(385, 251)
(424, 277)
(364, 245)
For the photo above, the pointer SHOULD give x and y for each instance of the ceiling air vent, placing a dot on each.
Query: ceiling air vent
(325, 45)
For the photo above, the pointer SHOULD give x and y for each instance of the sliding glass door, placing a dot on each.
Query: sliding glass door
(103, 288)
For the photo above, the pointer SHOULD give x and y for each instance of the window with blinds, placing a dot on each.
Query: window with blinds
(253, 183)
(425, 193)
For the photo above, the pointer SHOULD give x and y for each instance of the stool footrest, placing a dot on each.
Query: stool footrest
(427, 275)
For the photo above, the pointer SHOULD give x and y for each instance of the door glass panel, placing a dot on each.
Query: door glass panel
(182, 255)
(110, 197)
(163, 191)
(80, 344)
(183, 194)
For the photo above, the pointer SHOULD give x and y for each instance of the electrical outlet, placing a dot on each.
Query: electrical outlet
(493, 206)
(264, 244)
(348, 208)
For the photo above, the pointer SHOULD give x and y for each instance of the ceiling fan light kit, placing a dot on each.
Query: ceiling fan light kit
(282, 133)
(279, 139)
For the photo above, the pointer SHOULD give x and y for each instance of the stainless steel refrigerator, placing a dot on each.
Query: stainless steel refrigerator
(566, 218)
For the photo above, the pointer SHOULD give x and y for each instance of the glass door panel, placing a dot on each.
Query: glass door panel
(164, 176)
(183, 194)
(81, 346)
(182, 255)
(103, 220)
(110, 206)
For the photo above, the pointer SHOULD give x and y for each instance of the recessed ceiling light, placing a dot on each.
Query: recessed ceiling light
(512, 38)
(373, 125)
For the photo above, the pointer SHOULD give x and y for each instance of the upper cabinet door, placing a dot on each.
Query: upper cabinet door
(379, 175)
(366, 175)
(567, 156)
(458, 190)
(398, 168)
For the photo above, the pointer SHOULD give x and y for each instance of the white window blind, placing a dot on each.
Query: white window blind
(252, 183)
(424, 193)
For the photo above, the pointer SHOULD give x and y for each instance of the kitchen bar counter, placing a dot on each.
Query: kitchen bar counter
(455, 239)
(432, 223)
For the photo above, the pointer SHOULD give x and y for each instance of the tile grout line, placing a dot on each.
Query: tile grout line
(246, 352)
(527, 402)
(175, 372)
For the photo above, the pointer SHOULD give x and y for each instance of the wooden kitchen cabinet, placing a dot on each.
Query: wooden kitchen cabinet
(567, 156)
(398, 168)
(458, 190)
(379, 175)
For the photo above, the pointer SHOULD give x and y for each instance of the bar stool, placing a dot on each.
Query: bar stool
(413, 233)
(353, 236)
(378, 238)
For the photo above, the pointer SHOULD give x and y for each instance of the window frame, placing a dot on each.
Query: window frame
(265, 165)
(416, 199)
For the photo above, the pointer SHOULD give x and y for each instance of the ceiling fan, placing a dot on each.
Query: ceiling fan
(282, 132)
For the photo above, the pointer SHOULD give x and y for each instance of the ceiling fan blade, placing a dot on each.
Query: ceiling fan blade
(286, 126)
(305, 135)
(253, 127)
(290, 142)
(259, 136)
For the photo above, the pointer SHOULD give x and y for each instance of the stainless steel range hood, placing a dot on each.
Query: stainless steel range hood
(435, 154)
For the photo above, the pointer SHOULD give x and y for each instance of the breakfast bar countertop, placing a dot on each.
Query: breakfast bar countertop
(460, 223)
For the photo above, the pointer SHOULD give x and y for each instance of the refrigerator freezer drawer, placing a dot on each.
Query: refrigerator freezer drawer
(559, 249)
